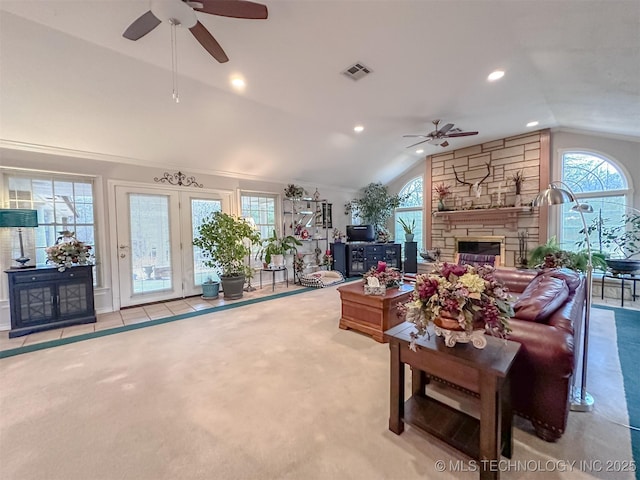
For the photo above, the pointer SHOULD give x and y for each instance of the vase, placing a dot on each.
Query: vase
(441, 206)
(448, 327)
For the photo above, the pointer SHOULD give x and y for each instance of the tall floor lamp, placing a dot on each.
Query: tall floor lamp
(19, 218)
(558, 193)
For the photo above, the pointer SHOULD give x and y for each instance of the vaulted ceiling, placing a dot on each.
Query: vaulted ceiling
(69, 80)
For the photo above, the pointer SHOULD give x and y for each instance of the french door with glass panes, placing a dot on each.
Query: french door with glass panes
(155, 228)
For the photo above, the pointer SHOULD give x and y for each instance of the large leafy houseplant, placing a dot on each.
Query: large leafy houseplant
(222, 239)
(277, 246)
(550, 255)
(375, 205)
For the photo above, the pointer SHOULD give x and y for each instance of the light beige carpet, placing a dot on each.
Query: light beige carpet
(268, 391)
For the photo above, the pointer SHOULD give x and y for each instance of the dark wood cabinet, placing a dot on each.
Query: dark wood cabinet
(360, 257)
(44, 298)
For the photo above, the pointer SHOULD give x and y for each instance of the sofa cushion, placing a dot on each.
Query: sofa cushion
(544, 295)
(571, 277)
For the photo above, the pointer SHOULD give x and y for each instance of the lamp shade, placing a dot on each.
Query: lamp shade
(18, 217)
(553, 196)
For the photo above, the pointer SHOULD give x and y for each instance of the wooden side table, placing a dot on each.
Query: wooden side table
(483, 373)
(371, 314)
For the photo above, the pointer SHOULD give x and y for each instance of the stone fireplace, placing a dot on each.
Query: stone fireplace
(490, 216)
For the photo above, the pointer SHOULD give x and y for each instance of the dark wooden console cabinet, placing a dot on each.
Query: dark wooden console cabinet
(357, 258)
(44, 298)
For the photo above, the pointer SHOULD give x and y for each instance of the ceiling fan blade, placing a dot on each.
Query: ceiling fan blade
(417, 143)
(461, 134)
(445, 129)
(209, 43)
(234, 9)
(141, 26)
(412, 136)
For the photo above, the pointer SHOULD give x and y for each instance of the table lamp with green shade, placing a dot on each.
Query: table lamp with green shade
(19, 218)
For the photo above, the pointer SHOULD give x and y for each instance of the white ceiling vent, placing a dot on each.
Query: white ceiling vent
(357, 71)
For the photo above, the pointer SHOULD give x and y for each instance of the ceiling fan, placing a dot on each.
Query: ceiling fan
(183, 13)
(439, 136)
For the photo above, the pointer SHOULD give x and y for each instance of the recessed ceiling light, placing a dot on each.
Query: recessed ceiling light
(532, 124)
(420, 150)
(358, 128)
(493, 76)
(238, 83)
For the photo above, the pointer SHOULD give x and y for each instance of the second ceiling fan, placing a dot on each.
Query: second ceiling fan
(183, 13)
(439, 136)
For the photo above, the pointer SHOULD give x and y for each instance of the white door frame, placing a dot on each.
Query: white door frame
(228, 204)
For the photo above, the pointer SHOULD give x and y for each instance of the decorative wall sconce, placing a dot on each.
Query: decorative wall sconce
(178, 178)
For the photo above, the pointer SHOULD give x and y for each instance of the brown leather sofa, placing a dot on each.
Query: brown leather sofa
(548, 321)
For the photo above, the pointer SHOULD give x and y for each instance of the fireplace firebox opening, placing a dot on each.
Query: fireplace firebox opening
(486, 245)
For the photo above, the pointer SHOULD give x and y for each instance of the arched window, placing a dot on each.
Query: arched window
(410, 210)
(598, 182)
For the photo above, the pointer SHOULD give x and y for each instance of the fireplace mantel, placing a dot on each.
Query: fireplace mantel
(507, 216)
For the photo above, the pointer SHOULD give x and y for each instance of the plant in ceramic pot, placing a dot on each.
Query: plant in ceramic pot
(225, 240)
(274, 249)
(375, 206)
(409, 228)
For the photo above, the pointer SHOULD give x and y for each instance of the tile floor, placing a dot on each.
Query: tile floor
(129, 316)
(155, 311)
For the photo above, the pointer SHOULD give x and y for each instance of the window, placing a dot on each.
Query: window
(598, 182)
(260, 207)
(63, 203)
(411, 210)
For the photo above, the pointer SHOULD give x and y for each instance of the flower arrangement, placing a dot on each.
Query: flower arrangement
(469, 294)
(294, 192)
(518, 179)
(387, 276)
(298, 263)
(68, 251)
(337, 234)
(442, 190)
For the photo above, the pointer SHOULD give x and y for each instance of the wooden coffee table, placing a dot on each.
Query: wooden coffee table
(481, 373)
(371, 314)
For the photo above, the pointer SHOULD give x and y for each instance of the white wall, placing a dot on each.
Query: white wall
(106, 171)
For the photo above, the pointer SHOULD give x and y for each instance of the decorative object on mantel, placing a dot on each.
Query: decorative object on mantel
(178, 178)
(506, 216)
(518, 180)
(458, 299)
(477, 189)
(442, 191)
(68, 251)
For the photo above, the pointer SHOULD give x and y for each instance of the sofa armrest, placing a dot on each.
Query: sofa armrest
(545, 348)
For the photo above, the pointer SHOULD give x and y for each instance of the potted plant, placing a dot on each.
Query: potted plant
(375, 206)
(274, 249)
(550, 255)
(337, 235)
(621, 242)
(210, 289)
(294, 192)
(409, 228)
(224, 239)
